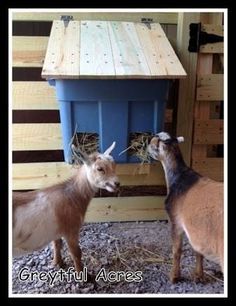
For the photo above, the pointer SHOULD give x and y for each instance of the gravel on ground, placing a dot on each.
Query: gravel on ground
(126, 257)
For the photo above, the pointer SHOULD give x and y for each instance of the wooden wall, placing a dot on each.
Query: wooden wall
(37, 142)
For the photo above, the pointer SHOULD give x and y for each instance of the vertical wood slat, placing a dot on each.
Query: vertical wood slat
(202, 132)
(159, 53)
(96, 54)
(127, 52)
(66, 40)
(187, 86)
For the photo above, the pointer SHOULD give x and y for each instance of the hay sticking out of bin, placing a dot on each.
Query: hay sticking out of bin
(85, 142)
(138, 146)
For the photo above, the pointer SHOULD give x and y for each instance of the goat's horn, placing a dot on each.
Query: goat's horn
(108, 151)
(180, 139)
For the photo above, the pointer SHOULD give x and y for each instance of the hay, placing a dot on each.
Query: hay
(84, 142)
(138, 146)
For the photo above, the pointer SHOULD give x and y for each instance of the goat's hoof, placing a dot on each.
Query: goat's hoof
(199, 278)
(58, 263)
(175, 278)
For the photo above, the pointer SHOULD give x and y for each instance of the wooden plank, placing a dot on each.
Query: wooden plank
(215, 47)
(126, 209)
(186, 96)
(210, 87)
(165, 60)
(128, 56)
(147, 41)
(202, 108)
(96, 53)
(27, 176)
(28, 51)
(36, 137)
(63, 51)
(209, 131)
(167, 18)
(210, 167)
(38, 175)
(33, 95)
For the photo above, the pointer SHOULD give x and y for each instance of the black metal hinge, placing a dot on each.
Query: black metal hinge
(147, 22)
(199, 38)
(66, 19)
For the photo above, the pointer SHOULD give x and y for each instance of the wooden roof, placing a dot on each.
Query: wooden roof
(109, 50)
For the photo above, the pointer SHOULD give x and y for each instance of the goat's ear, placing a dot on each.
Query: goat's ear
(180, 139)
(108, 151)
(80, 156)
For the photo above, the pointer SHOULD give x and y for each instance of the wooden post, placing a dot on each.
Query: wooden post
(187, 86)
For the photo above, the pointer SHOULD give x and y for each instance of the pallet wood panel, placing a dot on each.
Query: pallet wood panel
(209, 131)
(29, 176)
(210, 167)
(128, 56)
(210, 87)
(36, 136)
(167, 18)
(186, 97)
(28, 51)
(96, 52)
(110, 50)
(64, 45)
(126, 209)
(164, 52)
(33, 95)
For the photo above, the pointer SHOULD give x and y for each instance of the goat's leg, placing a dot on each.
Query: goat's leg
(57, 260)
(75, 251)
(198, 273)
(177, 250)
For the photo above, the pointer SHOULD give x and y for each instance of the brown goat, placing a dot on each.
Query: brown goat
(194, 205)
(46, 215)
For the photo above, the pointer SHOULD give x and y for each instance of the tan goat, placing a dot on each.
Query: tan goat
(46, 215)
(194, 204)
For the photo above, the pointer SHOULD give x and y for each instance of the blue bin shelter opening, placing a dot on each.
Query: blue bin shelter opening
(111, 78)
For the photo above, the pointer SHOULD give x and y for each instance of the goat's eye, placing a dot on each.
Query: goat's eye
(100, 169)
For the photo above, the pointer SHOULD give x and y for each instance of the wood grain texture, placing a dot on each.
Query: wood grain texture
(210, 167)
(187, 86)
(109, 49)
(36, 136)
(63, 50)
(96, 53)
(210, 87)
(28, 51)
(33, 95)
(128, 56)
(159, 53)
(126, 209)
(209, 132)
(29, 176)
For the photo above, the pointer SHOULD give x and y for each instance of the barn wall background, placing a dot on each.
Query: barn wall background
(37, 143)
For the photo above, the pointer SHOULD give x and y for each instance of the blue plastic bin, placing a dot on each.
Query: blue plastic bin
(111, 108)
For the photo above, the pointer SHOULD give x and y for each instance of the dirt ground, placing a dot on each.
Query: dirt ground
(126, 257)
